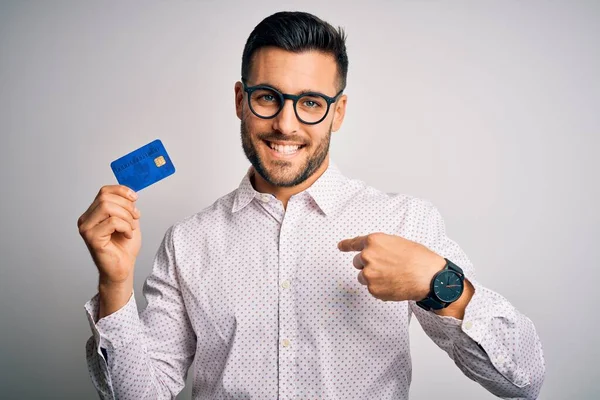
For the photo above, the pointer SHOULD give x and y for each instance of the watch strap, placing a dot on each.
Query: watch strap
(456, 268)
(429, 303)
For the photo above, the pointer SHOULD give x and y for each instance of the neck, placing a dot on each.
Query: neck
(283, 194)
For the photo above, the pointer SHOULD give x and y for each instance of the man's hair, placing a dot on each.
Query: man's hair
(297, 32)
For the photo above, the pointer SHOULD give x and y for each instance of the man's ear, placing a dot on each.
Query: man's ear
(239, 98)
(339, 112)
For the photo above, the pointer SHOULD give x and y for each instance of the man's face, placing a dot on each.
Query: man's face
(265, 141)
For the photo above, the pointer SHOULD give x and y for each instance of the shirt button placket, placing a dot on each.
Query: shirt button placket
(287, 322)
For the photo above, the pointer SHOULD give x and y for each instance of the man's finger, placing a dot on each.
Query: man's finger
(354, 244)
(358, 261)
(361, 278)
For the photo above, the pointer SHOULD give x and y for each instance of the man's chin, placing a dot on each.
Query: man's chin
(276, 175)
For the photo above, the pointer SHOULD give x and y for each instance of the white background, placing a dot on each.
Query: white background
(489, 109)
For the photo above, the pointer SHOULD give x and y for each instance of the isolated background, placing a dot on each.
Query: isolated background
(489, 109)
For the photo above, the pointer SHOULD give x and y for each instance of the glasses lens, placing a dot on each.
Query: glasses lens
(311, 108)
(265, 102)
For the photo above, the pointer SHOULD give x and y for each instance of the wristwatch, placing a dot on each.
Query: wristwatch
(446, 287)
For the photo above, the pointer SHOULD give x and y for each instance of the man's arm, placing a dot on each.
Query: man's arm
(135, 368)
(488, 339)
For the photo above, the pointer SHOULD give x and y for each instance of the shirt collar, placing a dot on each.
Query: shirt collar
(245, 192)
(324, 191)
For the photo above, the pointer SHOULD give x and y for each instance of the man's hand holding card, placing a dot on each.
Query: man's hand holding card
(110, 226)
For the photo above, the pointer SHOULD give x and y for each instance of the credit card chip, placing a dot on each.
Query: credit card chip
(159, 161)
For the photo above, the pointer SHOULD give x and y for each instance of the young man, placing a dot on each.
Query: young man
(259, 290)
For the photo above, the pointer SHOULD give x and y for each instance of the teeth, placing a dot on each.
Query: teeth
(284, 149)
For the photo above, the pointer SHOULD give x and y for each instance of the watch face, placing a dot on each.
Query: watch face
(448, 286)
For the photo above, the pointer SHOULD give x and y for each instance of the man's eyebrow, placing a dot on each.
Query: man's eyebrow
(303, 91)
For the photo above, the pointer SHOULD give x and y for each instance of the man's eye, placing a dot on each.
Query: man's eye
(268, 97)
(311, 104)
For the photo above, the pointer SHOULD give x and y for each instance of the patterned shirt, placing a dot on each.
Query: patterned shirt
(263, 304)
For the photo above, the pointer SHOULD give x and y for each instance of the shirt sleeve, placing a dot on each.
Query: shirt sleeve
(148, 353)
(494, 345)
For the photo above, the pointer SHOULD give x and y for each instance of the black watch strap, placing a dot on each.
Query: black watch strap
(429, 303)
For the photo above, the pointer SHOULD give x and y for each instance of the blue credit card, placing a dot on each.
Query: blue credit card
(144, 166)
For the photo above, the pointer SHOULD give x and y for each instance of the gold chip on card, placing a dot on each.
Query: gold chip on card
(159, 161)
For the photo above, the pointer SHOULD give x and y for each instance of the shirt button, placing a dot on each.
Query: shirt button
(468, 325)
(265, 197)
(285, 284)
(285, 343)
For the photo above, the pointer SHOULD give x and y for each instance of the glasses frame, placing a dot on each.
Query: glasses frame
(293, 97)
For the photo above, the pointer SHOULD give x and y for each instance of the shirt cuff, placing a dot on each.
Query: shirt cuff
(117, 329)
(476, 326)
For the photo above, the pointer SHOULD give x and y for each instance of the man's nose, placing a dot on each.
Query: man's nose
(286, 121)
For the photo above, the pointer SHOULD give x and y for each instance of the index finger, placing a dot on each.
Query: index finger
(354, 244)
(121, 190)
(118, 190)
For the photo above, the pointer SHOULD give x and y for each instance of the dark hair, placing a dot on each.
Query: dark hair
(297, 32)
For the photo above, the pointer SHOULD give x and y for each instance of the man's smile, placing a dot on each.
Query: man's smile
(283, 149)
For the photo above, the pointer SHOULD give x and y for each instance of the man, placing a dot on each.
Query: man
(258, 290)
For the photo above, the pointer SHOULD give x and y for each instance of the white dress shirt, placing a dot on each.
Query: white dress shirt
(265, 306)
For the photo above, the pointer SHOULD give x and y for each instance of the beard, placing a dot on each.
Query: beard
(281, 172)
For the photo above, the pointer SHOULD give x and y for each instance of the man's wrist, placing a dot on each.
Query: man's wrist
(457, 308)
(113, 296)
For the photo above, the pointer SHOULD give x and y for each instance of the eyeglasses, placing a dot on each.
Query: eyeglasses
(266, 102)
